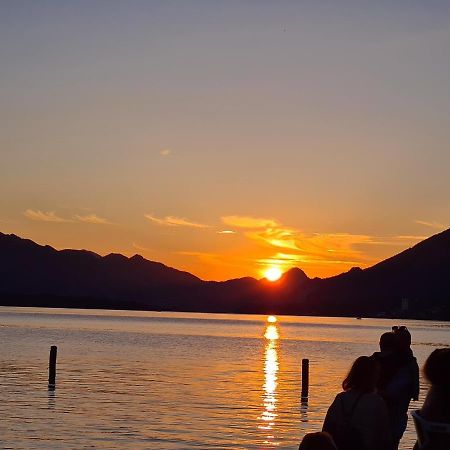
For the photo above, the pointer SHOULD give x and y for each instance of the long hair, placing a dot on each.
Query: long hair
(437, 368)
(363, 375)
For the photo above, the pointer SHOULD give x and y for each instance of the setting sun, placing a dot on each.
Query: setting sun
(273, 273)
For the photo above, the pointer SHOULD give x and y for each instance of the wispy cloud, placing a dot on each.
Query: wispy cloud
(140, 247)
(279, 236)
(285, 260)
(51, 216)
(226, 232)
(172, 221)
(249, 222)
(43, 216)
(435, 225)
(199, 254)
(92, 218)
(274, 243)
(165, 152)
(410, 237)
(313, 248)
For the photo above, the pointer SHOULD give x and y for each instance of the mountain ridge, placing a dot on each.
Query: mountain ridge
(34, 274)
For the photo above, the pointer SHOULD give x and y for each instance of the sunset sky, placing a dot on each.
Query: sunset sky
(224, 137)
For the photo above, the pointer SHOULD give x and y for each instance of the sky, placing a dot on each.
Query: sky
(223, 138)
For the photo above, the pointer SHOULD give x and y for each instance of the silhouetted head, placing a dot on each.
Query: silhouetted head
(437, 368)
(317, 441)
(403, 336)
(363, 375)
(388, 342)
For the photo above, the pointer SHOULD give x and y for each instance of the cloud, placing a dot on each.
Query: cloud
(273, 243)
(249, 222)
(280, 237)
(165, 152)
(172, 221)
(92, 218)
(199, 254)
(293, 246)
(435, 225)
(268, 242)
(281, 259)
(43, 216)
(51, 216)
(139, 247)
(325, 248)
(412, 237)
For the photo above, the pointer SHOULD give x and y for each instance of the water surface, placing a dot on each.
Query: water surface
(135, 380)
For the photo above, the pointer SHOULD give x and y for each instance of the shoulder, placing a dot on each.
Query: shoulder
(334, 412)
(345, 396)
(339, 400)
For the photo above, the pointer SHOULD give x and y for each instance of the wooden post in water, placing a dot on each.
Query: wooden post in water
(305, 379)
(52, 368)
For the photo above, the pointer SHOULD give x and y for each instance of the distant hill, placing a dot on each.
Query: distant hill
(420, 274)
(35, 275)
(31, 270)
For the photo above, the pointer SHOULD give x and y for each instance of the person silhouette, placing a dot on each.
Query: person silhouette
(317, 441)
(387, 358)
(399, 378)
(358, 417)
(436, 407)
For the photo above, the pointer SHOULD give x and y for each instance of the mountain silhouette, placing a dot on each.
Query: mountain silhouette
(29, 269)
(414, 283)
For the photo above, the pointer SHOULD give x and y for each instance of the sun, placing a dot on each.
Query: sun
(273, 273)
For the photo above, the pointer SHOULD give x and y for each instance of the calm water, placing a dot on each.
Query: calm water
(135, 380)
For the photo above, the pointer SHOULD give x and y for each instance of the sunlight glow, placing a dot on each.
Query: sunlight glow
(273, 273)
(271, 319)
(269, 414)
(271, 332)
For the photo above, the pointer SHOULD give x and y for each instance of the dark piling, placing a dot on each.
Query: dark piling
(52, 368)
(305, 380)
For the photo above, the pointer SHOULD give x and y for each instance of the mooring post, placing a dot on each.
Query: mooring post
(305, 379)
(52, 368)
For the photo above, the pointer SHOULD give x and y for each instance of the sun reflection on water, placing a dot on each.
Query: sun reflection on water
(269, 414)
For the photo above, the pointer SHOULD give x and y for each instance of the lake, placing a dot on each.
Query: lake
(135, 380)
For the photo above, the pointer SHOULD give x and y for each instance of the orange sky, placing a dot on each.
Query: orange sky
(225, 138)
(234, 246)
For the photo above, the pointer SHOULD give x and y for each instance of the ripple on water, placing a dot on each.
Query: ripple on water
(178, 382)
